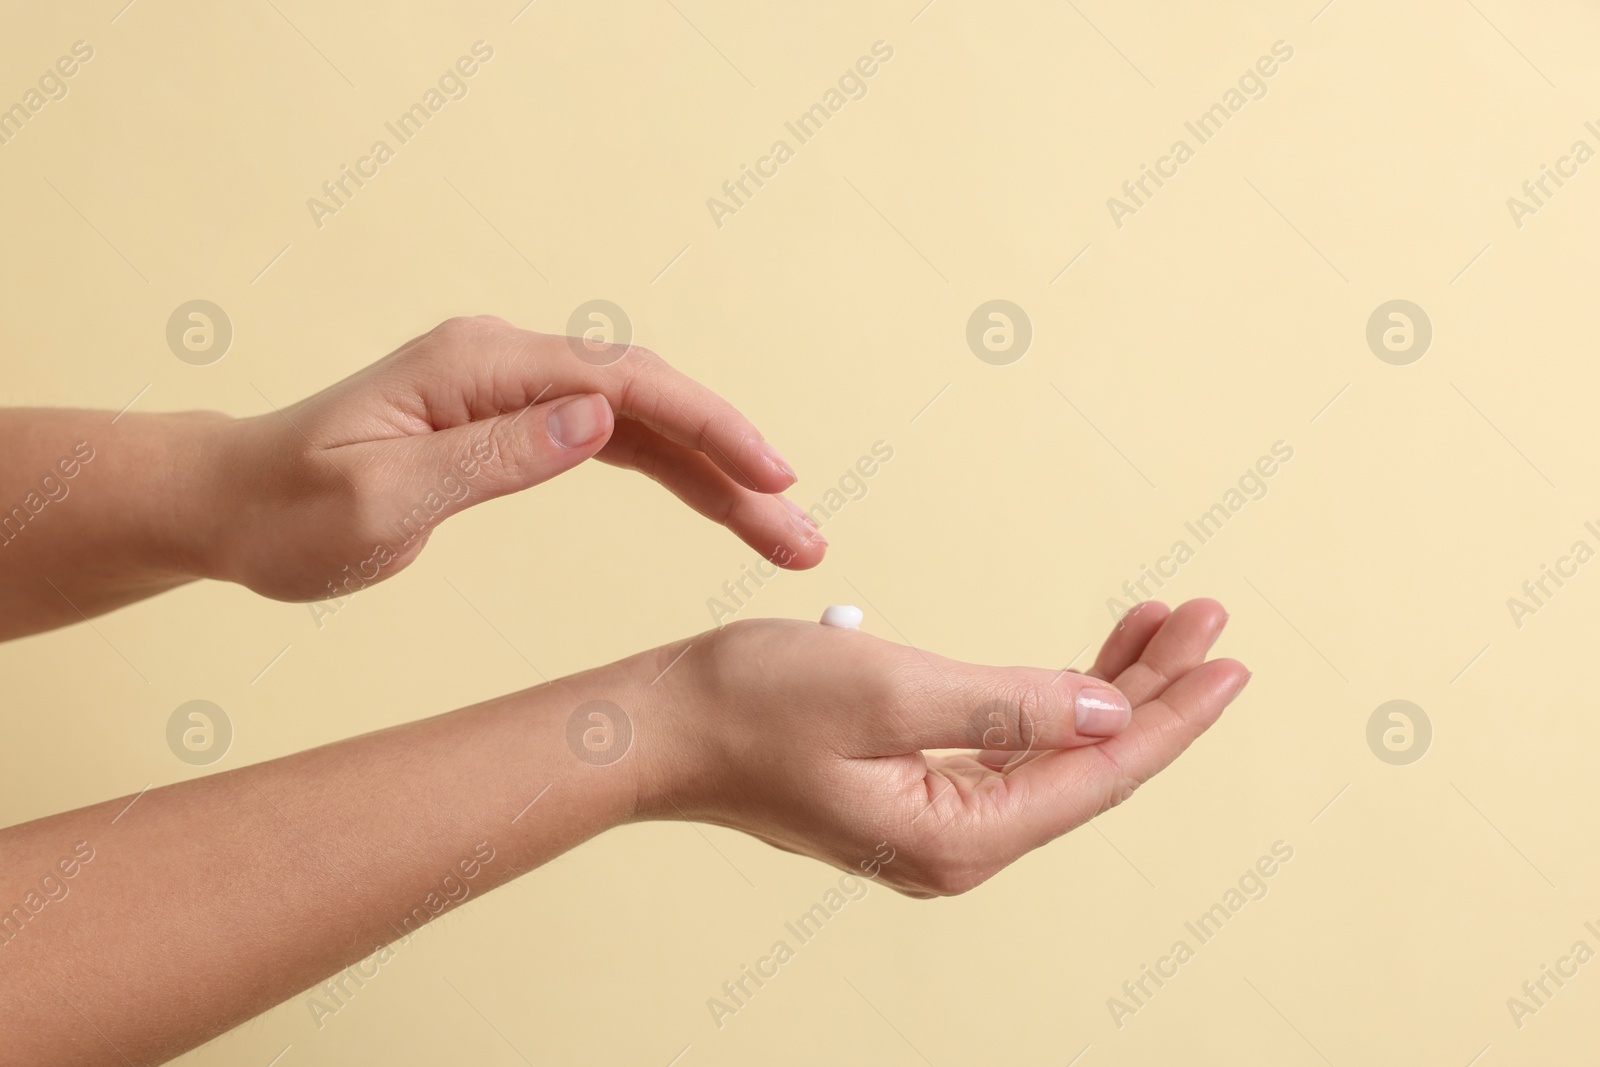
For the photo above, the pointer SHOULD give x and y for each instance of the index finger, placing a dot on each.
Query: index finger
(477, 368)
(643, 386)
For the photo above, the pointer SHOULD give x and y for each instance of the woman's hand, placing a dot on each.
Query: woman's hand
(344, 488)
(219, 892)
(812, 739)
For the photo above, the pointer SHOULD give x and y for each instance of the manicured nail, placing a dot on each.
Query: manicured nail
(804, 524)
(1102, 712)
(800, 513)
(578, 421)
(778, 462)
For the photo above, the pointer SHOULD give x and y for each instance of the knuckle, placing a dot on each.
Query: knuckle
(634, 373)
(1122, 789)
(1036, 702)
(1149, 677)
(1120, 783)
(1040, 701)
(630, 450)
(509, 455)
(452, 329)
(466, 329)
(1010, 720)
(452, 325)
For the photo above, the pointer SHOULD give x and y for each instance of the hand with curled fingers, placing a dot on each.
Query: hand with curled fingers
(814, 739)
(350, 482)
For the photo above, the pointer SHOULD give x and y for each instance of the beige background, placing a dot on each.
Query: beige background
(1223, 317)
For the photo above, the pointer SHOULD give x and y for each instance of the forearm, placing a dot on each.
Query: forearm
(95, 514)
(231, 893)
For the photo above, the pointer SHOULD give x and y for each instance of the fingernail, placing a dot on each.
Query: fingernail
(778, 462)
(578, 421)
(1102, 712)
(804, 524)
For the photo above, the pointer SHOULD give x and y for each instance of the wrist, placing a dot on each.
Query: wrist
(655, 696)
(151, 489)
(205, 467)
(271, 506)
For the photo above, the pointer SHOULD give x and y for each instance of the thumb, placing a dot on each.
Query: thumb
(1012, 709)
(508, 453)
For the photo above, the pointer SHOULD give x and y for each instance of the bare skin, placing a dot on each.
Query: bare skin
(231, 893)
(298, 503)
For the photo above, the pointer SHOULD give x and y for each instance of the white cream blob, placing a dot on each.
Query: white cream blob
(844, 616)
